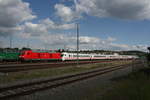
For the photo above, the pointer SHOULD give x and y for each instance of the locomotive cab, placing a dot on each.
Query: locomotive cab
(25, 55)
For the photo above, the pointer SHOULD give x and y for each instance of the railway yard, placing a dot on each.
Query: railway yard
(45, 75)
(74, 50)
(22, 80)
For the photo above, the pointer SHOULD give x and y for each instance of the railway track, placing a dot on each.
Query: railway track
(25, 67)
(38, 85)
(38, 62)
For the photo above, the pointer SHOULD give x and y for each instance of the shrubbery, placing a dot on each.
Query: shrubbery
(148, 56)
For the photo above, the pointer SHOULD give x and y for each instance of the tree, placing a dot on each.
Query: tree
(24, 48)
(148, 55)
(148, 48)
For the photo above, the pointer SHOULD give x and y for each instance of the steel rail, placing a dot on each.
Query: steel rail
(38, 85)
(7, 69)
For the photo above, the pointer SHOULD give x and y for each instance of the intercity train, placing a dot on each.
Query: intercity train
(29, 55)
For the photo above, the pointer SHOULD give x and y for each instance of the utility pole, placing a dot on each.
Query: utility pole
(77, 44)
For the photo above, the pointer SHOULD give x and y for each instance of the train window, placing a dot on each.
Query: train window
(99, 56)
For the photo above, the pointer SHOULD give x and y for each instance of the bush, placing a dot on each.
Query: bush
(148, 56)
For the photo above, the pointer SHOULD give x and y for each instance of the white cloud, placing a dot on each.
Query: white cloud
(122, 9)
(52, 25)
(60, 40)
(111, 39)
(12, 13)
(45, 26)
(140, 47)
(34, 29)
(65, 39)
(89, 40)
(57, 40)
(5, 31)
(66, 14)
(115, 46)
(1, 44)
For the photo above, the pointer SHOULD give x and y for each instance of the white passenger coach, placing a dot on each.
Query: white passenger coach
(73, 56)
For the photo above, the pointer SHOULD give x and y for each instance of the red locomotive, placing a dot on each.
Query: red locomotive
(30, 55)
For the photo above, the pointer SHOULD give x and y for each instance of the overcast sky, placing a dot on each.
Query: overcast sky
(51, 24)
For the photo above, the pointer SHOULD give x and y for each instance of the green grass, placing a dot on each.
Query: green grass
(136, 86)
(26, 75)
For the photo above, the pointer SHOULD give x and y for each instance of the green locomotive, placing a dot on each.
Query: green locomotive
(9, 56)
